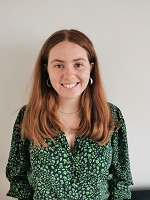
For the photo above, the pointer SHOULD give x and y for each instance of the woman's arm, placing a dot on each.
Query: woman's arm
(18, 164)
(120, 167)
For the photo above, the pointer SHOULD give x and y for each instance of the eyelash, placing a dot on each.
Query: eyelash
(59, 66)
(78, 64)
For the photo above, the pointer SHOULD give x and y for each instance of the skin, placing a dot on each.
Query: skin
(69, 72)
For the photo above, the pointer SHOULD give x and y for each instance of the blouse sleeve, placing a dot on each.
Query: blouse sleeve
(120, 167)
(18, 164)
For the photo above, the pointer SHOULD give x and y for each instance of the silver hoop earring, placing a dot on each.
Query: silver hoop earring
(48, 83)
(90, 81)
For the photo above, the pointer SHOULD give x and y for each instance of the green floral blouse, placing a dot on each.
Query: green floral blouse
(87, 172)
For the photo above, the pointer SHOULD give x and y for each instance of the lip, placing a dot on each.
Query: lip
(69, 85)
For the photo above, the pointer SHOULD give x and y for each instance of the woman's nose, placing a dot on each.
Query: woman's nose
(69, 71)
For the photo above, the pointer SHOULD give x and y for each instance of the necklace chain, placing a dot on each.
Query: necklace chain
(70, 129)
(69, 114)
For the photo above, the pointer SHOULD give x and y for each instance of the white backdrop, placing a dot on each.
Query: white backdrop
(120, 31)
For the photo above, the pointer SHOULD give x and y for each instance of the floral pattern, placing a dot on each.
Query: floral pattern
(87, 172)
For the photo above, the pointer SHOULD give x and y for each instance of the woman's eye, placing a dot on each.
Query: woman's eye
(79, 64)
(59, 66)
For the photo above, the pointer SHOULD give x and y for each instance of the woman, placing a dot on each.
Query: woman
(68, 143)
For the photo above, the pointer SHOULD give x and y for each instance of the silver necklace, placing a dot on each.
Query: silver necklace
(69, 114)
(70, 129)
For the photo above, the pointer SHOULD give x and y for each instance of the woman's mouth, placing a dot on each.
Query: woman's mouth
(72, 85)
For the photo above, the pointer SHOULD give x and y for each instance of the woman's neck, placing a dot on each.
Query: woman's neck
(69, 105)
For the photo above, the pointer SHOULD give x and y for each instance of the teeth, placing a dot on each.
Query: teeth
(70, 85)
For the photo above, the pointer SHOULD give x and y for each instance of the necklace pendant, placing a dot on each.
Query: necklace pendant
(70, 133)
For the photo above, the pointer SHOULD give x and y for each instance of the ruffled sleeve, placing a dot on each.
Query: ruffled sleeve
(120, 167)
(18, 164)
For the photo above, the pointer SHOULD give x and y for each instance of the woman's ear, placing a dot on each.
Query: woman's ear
(91, 66)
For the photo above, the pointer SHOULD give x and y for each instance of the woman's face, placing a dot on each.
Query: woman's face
(69, 69)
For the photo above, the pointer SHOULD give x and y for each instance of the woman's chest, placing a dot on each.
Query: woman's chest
(86, 157)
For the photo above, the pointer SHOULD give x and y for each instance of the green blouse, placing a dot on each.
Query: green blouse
(87, 172)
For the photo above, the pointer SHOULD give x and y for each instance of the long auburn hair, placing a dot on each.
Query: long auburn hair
(41, 120)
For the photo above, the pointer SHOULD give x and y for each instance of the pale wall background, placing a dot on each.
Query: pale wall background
(120, 31)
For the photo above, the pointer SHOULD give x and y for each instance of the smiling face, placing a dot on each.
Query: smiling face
(69, 69)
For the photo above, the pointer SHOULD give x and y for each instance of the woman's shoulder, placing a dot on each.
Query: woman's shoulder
(22, 110)
(113, 109)
(116, 114)
(20, 115)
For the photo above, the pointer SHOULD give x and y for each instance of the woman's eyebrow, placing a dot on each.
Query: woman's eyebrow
(77, 59)
(57, 60)
(74, 60)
